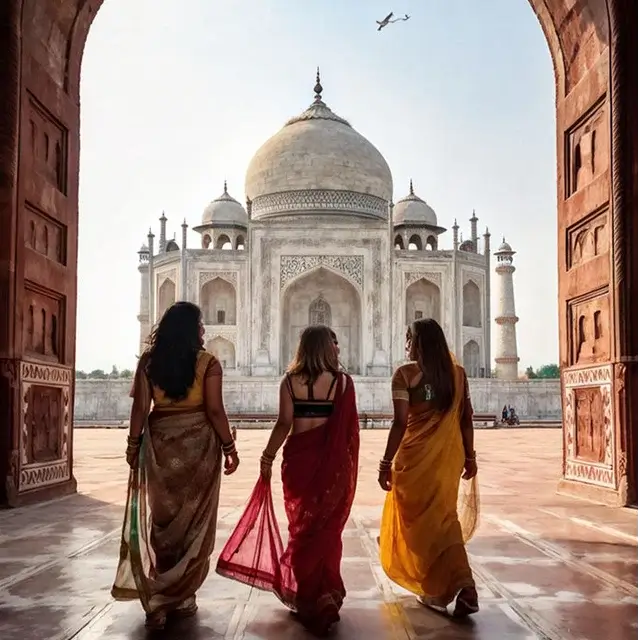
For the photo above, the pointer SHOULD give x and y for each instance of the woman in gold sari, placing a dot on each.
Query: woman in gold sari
(430, 446)
(175, 452)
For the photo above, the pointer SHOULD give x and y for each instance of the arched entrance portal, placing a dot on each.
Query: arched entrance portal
(223, 350)
(322, 297)
(594, 49)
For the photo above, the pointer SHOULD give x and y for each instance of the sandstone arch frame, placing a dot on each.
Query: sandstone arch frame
(593, 44)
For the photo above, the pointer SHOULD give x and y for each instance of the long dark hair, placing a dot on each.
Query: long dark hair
(173, 350)
(430, 350)
(316, 353)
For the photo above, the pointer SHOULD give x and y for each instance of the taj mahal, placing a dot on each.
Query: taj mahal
(320, 241)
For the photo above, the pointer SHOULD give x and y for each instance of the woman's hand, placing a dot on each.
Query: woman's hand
(266, 464)
(384, 479)
(133, 451)
(470, 469)
(231, 462)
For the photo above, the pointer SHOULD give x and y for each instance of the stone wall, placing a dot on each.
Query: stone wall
(108, 400)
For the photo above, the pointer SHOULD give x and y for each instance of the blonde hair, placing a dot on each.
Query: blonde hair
(315, 354)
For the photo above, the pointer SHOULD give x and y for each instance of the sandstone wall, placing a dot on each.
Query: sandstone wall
(108, 400)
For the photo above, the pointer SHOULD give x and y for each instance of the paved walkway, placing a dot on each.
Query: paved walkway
(547, 566)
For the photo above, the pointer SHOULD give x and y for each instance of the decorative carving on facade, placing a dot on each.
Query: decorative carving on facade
(315, 200)
(413, 276)
(588, 239)
(45, 235)
(227, 332)
(351, 266)
(45, 392)
(588, 423)
(588, 149)
(171, 274)
(206, 276)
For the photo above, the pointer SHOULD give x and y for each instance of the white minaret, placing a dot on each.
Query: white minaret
(507, 345)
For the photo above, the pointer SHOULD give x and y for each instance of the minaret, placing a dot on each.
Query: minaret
(474, 231)
(456, 242)
(162, 246)
(487, 303)
(183, 257)
(152, 280)
(507, 347)
(143, 315)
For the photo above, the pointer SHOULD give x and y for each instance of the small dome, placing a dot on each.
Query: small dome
(505, 247)
(318, 161)
(224, 211)
(413, 210)
(172, 245)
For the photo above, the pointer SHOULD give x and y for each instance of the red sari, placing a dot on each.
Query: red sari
(319, 476)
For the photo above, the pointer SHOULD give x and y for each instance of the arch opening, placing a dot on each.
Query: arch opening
(224, 351)
(240, 243)
(471, 305)
(423, 300)
(398, 242)
(218, 302)
(471, 359)
(415, 243)
(322, 297)
(166, 296)
(224, 242)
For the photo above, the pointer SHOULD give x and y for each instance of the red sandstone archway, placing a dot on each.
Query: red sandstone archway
(593, 44)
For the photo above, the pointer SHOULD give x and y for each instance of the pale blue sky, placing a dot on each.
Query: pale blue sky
(178, 95)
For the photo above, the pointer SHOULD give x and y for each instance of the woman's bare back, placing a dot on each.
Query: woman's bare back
(323, 389)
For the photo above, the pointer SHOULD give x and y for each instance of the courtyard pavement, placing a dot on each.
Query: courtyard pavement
(547, 566)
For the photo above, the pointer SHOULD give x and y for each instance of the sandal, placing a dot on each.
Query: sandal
(431, 603)
(466, 603)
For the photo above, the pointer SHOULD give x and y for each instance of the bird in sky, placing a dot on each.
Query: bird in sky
(389, 20)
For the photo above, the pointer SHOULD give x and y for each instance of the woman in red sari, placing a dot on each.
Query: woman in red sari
(319, 421)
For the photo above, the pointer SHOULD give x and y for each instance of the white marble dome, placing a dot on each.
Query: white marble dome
(505, 247)
(318, 163)
(413, 210)
(224, 211)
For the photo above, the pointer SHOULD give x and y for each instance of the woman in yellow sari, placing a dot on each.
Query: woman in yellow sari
(176, 453)
(429, 449)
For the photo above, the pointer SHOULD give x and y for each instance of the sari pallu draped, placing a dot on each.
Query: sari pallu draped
(319, 475)
(169, 525)
(430, 512)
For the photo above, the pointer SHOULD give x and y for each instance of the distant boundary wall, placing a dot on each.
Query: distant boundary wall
(108, 400)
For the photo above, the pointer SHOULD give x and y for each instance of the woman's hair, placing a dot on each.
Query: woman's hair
(173, 350)
(316, 354)
(430, 349)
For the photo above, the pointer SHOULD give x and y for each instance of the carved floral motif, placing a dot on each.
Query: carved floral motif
(206, 276)
(413, 276)
(351, 266)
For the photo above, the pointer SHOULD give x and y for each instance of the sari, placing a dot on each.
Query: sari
(430, 512)
(319, 477)
(169, 527)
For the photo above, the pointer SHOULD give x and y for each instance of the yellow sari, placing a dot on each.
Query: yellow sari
(429, 513)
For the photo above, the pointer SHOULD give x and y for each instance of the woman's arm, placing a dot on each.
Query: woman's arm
(280, 430)
(214, 402)
(466, 428)
(141, 394)
(400, 397)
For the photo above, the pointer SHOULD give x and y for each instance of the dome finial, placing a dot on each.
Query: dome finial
(225, 188)
(411, 186)
(318, 88)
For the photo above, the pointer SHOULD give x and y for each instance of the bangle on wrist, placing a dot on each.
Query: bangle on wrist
(384, 465)
(471, 457)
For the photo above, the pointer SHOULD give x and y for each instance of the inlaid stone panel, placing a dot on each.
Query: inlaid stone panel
(48, 140)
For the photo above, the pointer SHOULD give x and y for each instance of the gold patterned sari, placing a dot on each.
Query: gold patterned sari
(169, 526)
(429, 513)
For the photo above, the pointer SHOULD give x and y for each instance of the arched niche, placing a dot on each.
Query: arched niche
(471, 305)
(240, 243)
(323, 295)
(398, 242)
(471, 358)
(224, 242)
(432, 243)
(223, 350)
(206, 241)
(423, 300)
(415, 243)
(166, 296)
(218, 302)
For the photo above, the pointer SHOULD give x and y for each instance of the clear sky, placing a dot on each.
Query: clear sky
(177, 95)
